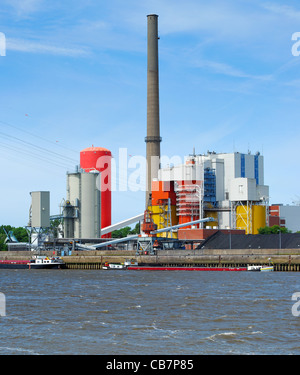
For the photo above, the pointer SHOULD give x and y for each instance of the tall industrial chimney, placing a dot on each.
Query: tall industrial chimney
(153, 138)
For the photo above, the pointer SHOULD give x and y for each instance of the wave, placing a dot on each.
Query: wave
(17, 350)
(220, 335)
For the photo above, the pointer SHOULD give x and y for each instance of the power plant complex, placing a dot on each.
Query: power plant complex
(184, 204)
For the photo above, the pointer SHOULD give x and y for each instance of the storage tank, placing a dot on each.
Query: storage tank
(258, 218)
(243, 218)
(99, 159)
(82, 207)
(250, 218)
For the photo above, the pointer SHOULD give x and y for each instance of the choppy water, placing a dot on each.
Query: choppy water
(147, 312)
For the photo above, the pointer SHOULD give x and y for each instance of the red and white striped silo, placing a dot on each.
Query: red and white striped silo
(99, 159)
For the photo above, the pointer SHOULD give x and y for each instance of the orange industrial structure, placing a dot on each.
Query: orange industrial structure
(163, 206)
(99, 159)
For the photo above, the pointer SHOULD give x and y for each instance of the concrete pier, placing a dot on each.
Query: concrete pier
(284, 260)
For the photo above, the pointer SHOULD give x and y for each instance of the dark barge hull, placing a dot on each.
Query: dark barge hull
(45, 266)
(24, 265)
(14, 264)
(182, 268)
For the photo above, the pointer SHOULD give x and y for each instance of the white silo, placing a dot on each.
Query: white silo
(82, 207)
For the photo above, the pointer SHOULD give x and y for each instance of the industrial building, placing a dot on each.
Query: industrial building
(228, 187)
(87, 208)
(285, 216)
(208, 193)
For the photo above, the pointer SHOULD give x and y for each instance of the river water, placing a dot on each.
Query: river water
(148, 312)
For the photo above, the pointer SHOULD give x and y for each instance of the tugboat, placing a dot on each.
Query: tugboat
(39, 262)
(119, 266)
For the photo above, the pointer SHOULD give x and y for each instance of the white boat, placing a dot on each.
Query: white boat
(260, 268)
(114, 266)
(130, 262)
(253, 268)
(120, 266)
(267, 268)
(39, 262)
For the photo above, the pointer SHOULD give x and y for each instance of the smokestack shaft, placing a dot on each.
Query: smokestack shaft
(153, 127)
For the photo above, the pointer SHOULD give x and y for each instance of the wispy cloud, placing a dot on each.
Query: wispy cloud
(282, 10)
(225, 69)
(23, 45)
(24, 7)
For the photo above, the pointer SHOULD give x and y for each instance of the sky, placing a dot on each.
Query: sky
(74, 74)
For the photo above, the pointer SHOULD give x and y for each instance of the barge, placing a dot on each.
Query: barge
(184, 268)
(38, 262)
(13, 264)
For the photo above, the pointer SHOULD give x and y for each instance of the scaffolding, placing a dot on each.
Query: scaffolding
(189, 199)
(165, 214)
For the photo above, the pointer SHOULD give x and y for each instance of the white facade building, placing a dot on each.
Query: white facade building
(229, 180)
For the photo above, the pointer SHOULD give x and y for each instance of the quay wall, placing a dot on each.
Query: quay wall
(282, 259)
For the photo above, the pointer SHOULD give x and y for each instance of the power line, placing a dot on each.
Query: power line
(35, 135)
(53, 153)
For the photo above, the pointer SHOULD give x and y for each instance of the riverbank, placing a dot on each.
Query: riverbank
(282, 259)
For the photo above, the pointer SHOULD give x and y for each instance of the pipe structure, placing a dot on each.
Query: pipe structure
(122, 224)
(111, 242)
(128, 238)
(183, 225)
(153, 138)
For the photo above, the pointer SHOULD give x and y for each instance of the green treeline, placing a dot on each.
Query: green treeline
(275, 229)
(124, 232)
(20, 233)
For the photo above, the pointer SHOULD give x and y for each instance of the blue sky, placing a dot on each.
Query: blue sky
(74, 75)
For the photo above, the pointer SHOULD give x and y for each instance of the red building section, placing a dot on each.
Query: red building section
(274, 216)
(99, 159)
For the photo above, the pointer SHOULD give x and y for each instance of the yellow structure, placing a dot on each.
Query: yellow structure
(214, 214)
(163, 217)
(250, 217)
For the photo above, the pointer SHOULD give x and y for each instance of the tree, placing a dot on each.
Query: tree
(3, 246)
(124, 232)
(54, 224)
(20, 233)
(275, 229)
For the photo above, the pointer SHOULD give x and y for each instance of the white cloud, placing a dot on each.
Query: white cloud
(282, 10)
(25, 7)
(22, 45)
(225, 69)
